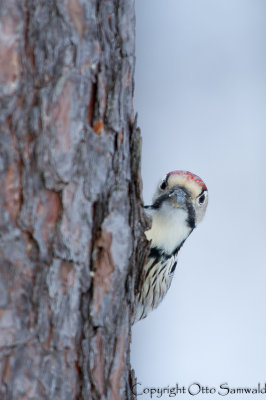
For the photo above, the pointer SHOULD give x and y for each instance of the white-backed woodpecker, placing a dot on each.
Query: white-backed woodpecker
(178, 205)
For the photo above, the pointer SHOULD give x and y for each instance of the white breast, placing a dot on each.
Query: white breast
(169, 228)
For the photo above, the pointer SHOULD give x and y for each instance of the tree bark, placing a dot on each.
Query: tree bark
(71, 219)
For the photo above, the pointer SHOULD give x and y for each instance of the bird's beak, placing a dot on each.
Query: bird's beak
(179, 196)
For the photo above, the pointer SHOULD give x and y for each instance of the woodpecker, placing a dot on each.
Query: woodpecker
(178, 205)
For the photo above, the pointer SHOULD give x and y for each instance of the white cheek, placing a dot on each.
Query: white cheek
(200, 210)
(169, 228)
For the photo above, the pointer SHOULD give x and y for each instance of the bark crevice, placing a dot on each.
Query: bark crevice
(71, 216)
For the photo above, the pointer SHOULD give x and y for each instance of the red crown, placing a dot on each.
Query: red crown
(190, 177)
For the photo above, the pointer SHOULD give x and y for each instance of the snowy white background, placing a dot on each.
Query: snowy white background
(201, 99)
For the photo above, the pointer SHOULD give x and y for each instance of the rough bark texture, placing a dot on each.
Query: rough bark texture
(71, 222)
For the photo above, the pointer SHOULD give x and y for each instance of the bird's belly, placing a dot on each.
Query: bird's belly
(157, 280)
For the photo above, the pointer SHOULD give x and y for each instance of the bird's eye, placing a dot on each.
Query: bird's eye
(163, 185)
(202, 199)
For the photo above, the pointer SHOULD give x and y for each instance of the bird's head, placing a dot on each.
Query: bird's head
(182, 190)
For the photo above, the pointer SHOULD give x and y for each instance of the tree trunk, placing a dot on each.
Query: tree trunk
(71, 219)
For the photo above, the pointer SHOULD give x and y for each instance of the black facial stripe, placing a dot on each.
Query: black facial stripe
(159, 254)
(157, 204)
(176, 250)
(159, 201)
(166, 178)
(156, 253)
(191, 215)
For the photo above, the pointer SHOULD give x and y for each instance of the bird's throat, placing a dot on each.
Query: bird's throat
(169, 229)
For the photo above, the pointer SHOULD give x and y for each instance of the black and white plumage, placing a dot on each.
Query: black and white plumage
(179, 204)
